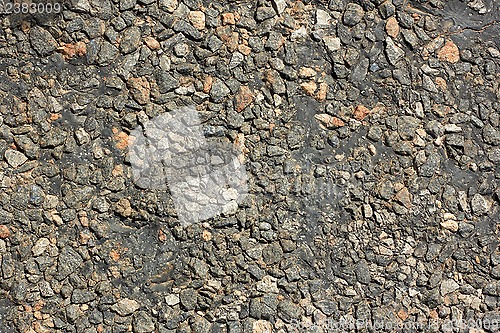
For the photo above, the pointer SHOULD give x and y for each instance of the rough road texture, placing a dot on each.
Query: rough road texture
(371, 133)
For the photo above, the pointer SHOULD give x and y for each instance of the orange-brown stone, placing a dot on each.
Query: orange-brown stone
(449, 52)
(244, 98)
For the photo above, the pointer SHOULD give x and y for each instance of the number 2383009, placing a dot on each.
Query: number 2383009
(29, 8)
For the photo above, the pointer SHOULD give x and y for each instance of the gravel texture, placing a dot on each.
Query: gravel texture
(371, 138)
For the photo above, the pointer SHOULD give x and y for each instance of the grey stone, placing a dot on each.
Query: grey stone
(166, 82)
(131, 40)
(353, 14)
(188, 299)
(264, 13)
(80, 296)
(279, 5)
(107, 53)
(127, 4)
(272, 253)
(125, 307)
(328, 307)
(428, 84)
(448, 286)
(363, 272)
(15, 158)
(181, 49)
(322, 18)
(274, 41)
(143, 323)
(386, 189)
(387, 9)
(276, 82)
(431, 165)
(187, 30)
(168, 5)
(42, 41)
(69, 261)
(375, 133)
(480, 205)
(360, 70)
(407, 126)
(393, 52)
(219, 91)
(289, 310)
(332, 43)
(491, 135)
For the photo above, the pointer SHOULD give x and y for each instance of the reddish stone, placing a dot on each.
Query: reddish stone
(244, 98)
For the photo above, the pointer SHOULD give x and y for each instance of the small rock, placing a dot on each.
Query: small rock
(219, 90)
(143, 323)
(69, 261)
(69, 51)
(332, 43)
(306, 72)
(361, 112)
(4, 231)
(40, 246)
(166, 82)
(276, 82)
(264, 13)
(452, 128)
(387, 9)
(168, 5)
(131, 40)
(236, 59)
(448, 286)
(451, 225)
(386, 189)
(494, 52)
(42, 41)
(187, 29)
(273, 253)
(81, 136)
(268, 284)
(181, 49)
(367, 210)
(80, 296)
(392, 27)
(279, 6)
(107, 53)
(322, 18)
(82, 5)
(244, 98)
(188, 299)
(353, 14)
(172, 299)
(274, 41)
(152, 43)
(262, 326)
(125, 307)
(329, 121)
(15, 158)
(309, 87)
(140, 89)
(362, 272)
(123, 207)
(299, 34)
(394, 53)
(449, 52)
(228, 19)
(480, 205)
(407, 127)
(197, 19)
(491, 135)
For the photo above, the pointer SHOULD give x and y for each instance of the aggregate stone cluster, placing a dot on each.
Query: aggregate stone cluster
(371, 138)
